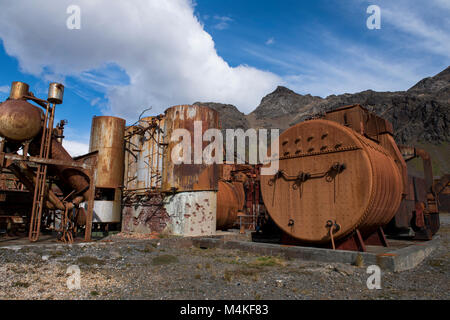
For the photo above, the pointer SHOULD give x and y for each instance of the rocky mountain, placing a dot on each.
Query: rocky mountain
(420, 116)
(229, 116)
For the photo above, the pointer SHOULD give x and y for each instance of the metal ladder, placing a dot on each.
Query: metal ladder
(41, 175)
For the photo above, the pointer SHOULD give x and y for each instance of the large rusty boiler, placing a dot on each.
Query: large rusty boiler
(107, 137)
(332, 182)
(191, 188)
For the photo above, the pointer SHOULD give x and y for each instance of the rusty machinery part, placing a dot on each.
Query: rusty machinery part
(230, 201)
(409, 153)
(420, 207)
(70, 178)
(330, 172)
(107, 137)
(20, 120)
(189, 177)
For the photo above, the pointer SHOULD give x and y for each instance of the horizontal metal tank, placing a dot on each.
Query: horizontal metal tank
(328, 172)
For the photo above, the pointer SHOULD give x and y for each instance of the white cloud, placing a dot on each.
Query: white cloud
(430, 33)
(75, 148)
(161, 46)
(270, 41)
(224, 22)
(4, 89)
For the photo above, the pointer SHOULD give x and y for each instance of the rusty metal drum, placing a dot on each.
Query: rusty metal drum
(107, 137)
(193, 176)
(230, 200)
(20, 120)
(330, 175)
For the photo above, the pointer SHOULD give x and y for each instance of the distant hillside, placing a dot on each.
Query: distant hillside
(420, 115)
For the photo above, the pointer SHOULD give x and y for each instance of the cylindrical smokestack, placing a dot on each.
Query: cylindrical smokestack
(55, 93)
(18, 90)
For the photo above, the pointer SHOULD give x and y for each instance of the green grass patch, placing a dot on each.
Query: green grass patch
(87, 260)
(164, 259)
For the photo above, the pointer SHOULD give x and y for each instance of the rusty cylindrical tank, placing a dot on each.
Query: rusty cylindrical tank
(20, 120)
(191, 189)
(107, 137)
(230, 200)
(189, 177)
(329, 172)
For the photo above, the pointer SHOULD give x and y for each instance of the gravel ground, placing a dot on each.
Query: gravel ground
(150, 269)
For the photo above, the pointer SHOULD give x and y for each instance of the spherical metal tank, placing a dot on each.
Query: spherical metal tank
(328, 172)
(193, 176)
(107, 137)
(230, 200)
(19, 120)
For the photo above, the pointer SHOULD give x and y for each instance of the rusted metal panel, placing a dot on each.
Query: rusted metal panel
(107, 137)
(192, 213)
(361, 120)
(189, 177)
(329, 172)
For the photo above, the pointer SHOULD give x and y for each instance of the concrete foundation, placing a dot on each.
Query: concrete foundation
(400, 256)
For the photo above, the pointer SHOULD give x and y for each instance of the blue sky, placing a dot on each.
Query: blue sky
(130, 55)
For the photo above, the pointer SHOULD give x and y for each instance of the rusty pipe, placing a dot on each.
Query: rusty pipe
(26, 176)
(71, 178)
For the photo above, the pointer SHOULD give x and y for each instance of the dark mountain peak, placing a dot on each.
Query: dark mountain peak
(282, 90)
(229, 116)
(433, 84)
(281, 102)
